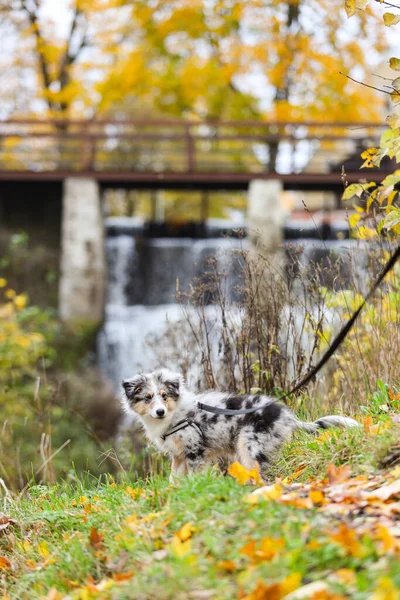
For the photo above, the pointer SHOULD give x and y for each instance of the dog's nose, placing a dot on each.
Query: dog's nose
(160, 412)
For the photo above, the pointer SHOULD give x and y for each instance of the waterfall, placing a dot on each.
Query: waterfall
(143, 271)
(142, 280)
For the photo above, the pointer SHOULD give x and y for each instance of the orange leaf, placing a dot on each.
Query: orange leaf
(338, 474)
(123, 576)
(96, 539)
(347, 538)
(4, 563)
(276, 591)
(346, 576)
(317, 497)
(388, 541)
(226, 565)
(269, 548)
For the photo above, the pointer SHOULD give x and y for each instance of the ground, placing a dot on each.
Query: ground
(326, 528)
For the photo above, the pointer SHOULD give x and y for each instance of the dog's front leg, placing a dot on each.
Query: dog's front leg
(178, 468)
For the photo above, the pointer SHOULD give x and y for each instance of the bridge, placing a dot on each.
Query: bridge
(52, 174)
(175, 154)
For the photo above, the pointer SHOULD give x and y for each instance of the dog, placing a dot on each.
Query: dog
(195, 438)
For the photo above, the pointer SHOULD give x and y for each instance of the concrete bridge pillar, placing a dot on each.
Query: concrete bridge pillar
(265, 216)
(83, 266)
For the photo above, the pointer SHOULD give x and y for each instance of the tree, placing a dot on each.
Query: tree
(198, 58)
(381, 200)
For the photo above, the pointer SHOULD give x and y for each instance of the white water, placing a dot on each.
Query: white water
(142, 283)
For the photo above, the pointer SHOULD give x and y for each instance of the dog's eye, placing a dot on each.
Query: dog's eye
(163, 394)
(138, 390)
(149, 397)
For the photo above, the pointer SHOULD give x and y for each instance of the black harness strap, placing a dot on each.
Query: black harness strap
(227, 411)
(182, 425)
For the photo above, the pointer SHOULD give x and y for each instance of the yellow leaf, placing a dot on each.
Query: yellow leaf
(3, 282)
(186, 531)
(395, 96)
(180, 549)
(385, 590)
(43, 550)
(353, 220)
(394, 63)
(267, 492)
(350, 6)
(20, 301)
(390, 19)
(242, 475)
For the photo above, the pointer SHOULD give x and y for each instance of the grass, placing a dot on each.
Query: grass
(147, 539)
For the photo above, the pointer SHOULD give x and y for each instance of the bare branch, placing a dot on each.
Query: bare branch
(366, 84)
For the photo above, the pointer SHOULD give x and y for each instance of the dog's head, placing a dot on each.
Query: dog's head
(153, 394)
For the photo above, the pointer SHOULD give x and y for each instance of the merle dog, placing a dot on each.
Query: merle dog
(194, 438)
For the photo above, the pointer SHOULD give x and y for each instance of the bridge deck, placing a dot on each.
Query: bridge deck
(183, 154)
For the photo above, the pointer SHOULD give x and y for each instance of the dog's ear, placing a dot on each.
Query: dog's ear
(173, 381)
(133, 386)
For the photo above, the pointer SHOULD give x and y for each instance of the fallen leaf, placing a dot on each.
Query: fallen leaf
(265, 551)
(43, 550)
(388, 541)
(4, 563)
(346, 576)
(96, 540)
(123, 576)
(338, 474)
(186, 531)
(6, 521)
(307, 591)
(347, 538)
(317, 497)
(160, 554)
(180, 549)
(385, 590)
(228, 566)
(243, 475)
(119, 564)
(276, 591)
(385, 492)
(267, 492)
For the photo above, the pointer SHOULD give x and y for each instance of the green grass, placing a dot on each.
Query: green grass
(134, 526)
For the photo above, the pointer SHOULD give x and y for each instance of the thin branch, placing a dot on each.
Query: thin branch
(387, 3)
(366, 84)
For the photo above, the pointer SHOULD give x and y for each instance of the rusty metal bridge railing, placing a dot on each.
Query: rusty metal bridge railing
(171, 152)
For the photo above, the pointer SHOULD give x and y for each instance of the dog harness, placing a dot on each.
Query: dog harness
(189, 422)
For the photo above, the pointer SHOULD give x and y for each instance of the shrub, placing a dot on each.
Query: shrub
(48, 429)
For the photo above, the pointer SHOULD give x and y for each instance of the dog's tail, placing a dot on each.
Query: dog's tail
(327, 423)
